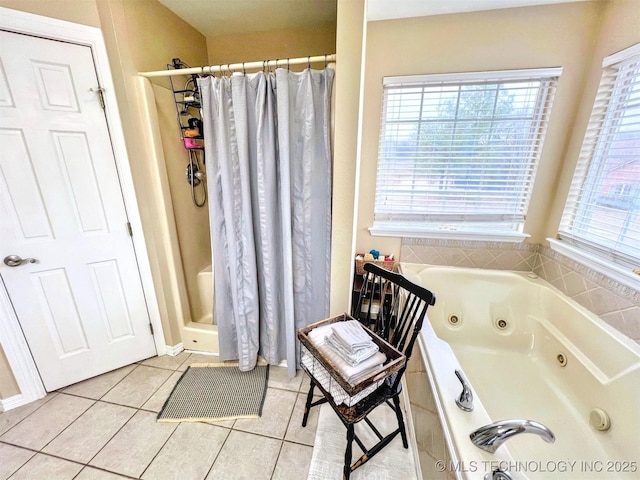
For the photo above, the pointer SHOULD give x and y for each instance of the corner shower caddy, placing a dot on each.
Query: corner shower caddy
(189, 115)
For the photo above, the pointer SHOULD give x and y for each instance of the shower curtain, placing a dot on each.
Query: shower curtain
(269, 180)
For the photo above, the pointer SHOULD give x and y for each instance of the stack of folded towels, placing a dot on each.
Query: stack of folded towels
(349, 348)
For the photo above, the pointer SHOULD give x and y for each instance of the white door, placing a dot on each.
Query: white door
(80, 304)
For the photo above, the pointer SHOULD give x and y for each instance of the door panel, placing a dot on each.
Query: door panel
(21, 187)
(81, 305)
(59, 306)
(112, 300)
(76, 165)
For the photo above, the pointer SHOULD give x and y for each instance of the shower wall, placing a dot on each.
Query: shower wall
(192, 223)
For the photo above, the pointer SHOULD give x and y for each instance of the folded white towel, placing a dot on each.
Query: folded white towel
(354, 357)
(352, 335)
(351, 373)
(339, 395)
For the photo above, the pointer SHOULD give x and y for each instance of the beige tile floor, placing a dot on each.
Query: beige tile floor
(105, 428)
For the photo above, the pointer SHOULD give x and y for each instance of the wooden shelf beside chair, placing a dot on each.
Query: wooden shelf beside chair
(369, 296)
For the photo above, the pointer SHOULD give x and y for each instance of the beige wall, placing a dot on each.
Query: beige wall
(8, 385)
(271, 45)
(619, 28)
(347, 95)
(534, 37)
(83, 12)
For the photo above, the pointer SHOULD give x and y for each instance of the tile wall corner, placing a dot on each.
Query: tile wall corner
(616, 304)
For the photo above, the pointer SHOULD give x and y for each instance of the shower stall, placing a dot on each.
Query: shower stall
(186, 169)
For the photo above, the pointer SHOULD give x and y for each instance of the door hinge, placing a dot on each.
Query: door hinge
(100, 92)
(129, 229)
(151, 328)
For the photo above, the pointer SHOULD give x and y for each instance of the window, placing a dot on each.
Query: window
(602, 213)
(458, 153)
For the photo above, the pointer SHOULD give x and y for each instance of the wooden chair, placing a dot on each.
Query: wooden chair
(398, 320)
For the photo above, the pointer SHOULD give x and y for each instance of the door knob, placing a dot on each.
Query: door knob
(16, 261)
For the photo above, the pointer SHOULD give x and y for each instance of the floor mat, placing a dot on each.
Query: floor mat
(207, 392)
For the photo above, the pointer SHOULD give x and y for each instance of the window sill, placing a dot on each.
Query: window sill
(600, 265)
(402, 231)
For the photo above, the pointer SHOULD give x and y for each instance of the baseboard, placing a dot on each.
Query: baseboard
(175, 349)
(16, 401)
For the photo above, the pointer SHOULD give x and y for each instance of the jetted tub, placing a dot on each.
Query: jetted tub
(528, 352)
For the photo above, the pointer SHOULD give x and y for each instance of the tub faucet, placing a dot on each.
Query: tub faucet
(465, 399)
(491, 436)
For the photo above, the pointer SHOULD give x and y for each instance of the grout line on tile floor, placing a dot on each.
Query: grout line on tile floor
(68, 426)
(137, 409)
(53, 395)
(158, 452)
(218, 454)
(273, 471)
(103, 470)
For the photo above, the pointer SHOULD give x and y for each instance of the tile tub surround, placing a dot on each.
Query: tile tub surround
(470, 254)
(617, 305)
(430, 437)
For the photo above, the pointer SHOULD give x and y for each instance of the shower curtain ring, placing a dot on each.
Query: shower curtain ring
(288, 64)
(325, 60)
(244, 72)
(309, 62)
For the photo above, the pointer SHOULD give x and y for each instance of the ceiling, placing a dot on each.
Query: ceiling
(223, 17)
(385, 9)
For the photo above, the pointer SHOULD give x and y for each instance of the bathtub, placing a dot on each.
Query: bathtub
(528, 352)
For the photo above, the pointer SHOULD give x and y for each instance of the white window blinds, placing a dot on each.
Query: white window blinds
(459, 152)
(602, 213)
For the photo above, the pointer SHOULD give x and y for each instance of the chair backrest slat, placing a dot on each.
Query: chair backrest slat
(402, 307)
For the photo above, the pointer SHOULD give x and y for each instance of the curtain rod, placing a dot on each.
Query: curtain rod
(239, 66)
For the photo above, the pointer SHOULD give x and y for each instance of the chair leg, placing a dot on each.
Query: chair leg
(307, 405)
(403, 432)
(347, 454)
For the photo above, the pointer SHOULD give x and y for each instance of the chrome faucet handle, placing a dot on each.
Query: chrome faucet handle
(490, 437)
(465, 400)
(498, 474)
